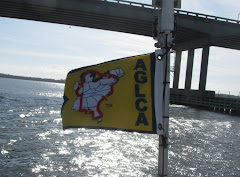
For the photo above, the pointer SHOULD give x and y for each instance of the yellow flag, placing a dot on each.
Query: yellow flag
(115, 95)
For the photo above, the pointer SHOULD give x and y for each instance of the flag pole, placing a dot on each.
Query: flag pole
(165, 27)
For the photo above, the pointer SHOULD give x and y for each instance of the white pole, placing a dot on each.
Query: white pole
(163, 139)
(165, 27)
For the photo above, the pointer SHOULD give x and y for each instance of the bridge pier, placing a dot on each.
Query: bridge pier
(204, 68)
(189, 70)
(177, 68)
(188, 80)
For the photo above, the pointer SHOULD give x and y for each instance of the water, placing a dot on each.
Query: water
(32, 142)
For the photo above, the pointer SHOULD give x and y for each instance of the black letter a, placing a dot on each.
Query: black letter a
(141, 119)
(140, 64)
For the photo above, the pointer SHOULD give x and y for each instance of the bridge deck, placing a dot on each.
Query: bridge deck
(193, 29)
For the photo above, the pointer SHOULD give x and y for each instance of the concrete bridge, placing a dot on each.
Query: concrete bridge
(193, 30)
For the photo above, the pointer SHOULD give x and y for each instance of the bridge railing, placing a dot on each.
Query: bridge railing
(131, 3)
(182, 12)
(211, 17)
(215, 103)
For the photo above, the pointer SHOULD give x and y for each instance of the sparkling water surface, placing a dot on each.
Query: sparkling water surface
(32, 142)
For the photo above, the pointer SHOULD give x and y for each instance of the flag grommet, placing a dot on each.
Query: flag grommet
(159, 57)
(160, 126)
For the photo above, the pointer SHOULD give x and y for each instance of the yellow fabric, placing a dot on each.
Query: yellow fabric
(118, 109)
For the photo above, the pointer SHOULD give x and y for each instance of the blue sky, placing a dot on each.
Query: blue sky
(48, 50)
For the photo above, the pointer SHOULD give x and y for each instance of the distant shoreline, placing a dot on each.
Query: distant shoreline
(8, 76)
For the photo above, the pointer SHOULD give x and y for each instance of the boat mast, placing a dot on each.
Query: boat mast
(165, 28)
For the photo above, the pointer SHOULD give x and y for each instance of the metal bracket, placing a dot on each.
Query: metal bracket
(158, 3)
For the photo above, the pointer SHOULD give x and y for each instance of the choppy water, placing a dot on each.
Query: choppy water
(32, 142)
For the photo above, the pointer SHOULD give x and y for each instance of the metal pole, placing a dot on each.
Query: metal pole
(165, 27)
(164, 41)
(238, 16)
(163, 139)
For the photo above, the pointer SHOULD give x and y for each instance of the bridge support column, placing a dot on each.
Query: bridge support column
(188, 80)
(177, 68)
(204, 68)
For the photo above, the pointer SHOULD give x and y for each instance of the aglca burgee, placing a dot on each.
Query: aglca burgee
(116, 95)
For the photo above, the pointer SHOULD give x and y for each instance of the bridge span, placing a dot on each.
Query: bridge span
(193, 30)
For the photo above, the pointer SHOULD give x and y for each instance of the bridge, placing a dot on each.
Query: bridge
(193, 30)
